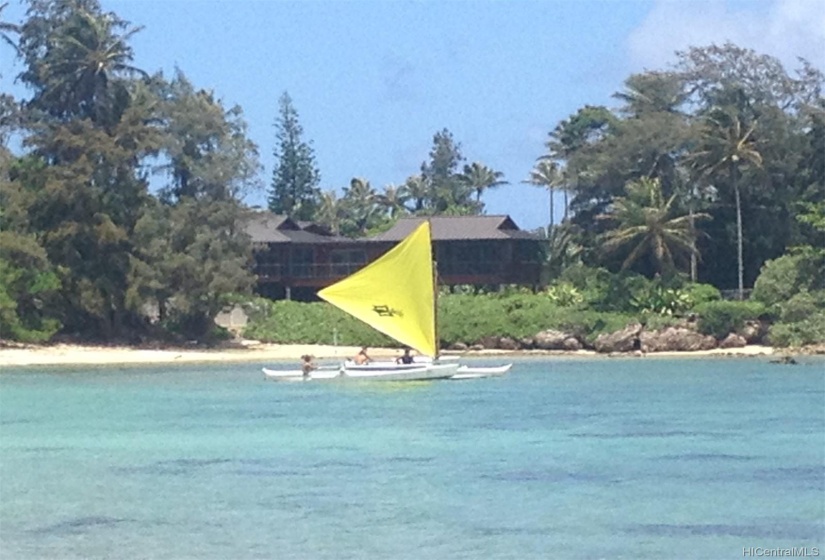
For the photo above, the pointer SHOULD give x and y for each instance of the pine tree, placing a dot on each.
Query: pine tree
(294, 190)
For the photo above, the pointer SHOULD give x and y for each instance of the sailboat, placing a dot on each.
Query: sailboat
(395, 295)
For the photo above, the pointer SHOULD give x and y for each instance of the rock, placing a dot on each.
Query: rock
(489, 342)
(787, 360)
(550, 340)
(619, 341)
(753, 332)
(813, 349)
(507, 343)
(527, 343)
(477, 347)
(676, 339)
(733, 340)
(572, 343)
(458, 346)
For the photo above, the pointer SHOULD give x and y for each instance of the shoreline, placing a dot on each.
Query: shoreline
(251, 352)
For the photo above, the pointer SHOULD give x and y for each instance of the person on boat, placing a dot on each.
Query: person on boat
(406, 358)
(307, 365)
(361, 357)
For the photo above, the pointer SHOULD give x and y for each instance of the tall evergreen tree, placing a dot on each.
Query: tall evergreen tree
(89, 123)
(191, 249)
(295, 180)
(447, 191)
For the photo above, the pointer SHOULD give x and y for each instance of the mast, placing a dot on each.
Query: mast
(435, 292)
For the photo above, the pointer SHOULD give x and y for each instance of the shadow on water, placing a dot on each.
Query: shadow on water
(80, 525)
(706, 457)
(795, 531)
(172, 467)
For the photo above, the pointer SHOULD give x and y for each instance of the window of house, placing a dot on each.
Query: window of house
(469, 257)
(268, 263)
(347, 261)
(301, 262)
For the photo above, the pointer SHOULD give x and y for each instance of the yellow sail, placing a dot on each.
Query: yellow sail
(394, 294)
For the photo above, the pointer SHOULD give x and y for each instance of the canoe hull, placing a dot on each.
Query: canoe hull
(471, 372)
(388, 372)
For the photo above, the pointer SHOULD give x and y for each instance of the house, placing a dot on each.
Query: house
(477, 250)
(293, 260)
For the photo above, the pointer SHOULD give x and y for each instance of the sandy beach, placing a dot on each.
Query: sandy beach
(69, 354)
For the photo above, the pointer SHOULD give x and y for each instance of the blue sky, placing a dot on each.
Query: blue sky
(373, 81)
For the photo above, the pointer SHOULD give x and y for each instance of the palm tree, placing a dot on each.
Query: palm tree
(361, 203)
(549, 175)
(480, 178)
(87, 58)
(394, 200)
(645, 225)
(419, 191)
(728, 145)
(563, 249)
(330, 212)
(651, 92)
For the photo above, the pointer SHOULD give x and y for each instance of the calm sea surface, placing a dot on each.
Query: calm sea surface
(564, 458)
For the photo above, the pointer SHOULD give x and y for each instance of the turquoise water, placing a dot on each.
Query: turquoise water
(563, 458)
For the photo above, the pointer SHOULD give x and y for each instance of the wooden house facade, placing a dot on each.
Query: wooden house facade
(293, 260)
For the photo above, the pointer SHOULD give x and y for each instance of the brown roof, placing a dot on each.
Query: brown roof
(266, 227)
(446, 228)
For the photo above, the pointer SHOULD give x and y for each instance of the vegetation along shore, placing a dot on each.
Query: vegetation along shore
(693, 210)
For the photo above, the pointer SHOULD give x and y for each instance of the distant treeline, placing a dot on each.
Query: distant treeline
(704, 172)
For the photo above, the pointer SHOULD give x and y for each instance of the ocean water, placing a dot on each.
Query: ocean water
(563, 458)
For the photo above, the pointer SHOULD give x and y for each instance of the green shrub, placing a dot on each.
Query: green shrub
(591, 282)
(461, 318)
(785, 276)
(800, 307)
(659, 300)
(467, 319)
(564, 294)
(810, 330)
(702, 293)
(719, 318)
(290, 322)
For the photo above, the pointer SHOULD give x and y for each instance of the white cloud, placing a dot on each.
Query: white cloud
(786, 29)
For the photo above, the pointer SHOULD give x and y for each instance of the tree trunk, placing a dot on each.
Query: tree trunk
(692, 245)
(566, 204)
(741, 294)
(552, 222)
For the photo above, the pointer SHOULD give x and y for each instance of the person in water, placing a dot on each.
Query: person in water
(361, 357)
(307, 365)
(406, 358)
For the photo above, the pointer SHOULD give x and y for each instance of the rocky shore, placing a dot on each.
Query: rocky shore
(636, 337)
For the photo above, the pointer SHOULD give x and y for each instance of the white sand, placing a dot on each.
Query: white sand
(65, 354)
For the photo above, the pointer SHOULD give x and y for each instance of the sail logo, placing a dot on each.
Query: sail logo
(387, 311)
